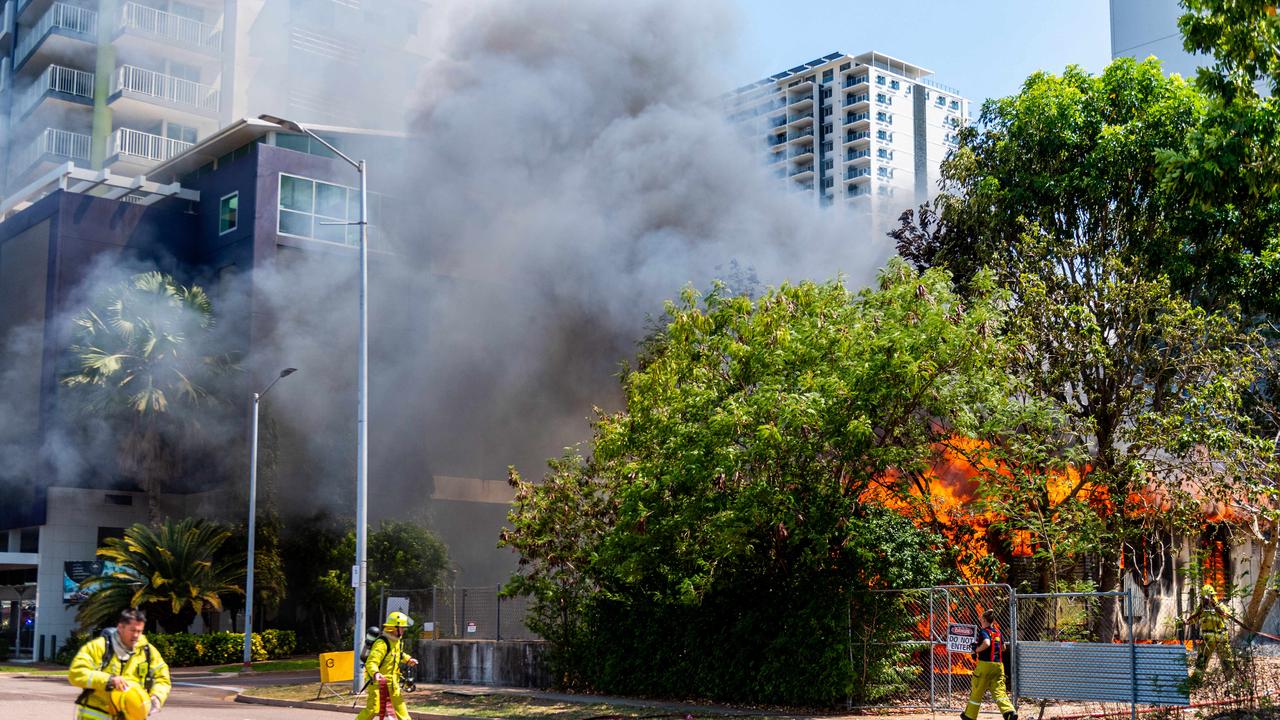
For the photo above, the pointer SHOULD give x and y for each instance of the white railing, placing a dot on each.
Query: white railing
(60, 15)
(126, 141)
(55, 78)
(165, 87)
(52, 141)
(174, 28)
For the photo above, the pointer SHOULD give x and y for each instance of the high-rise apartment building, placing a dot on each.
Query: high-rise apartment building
(126, 84)
(1146, 28)
(867, 130)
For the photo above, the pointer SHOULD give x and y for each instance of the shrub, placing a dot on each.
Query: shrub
(278, 643)
(185, 649)
(68, 651)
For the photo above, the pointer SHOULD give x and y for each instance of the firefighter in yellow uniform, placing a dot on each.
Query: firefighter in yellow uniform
(989, 672)
(123, 676)
(385, 657)
(1214, 638)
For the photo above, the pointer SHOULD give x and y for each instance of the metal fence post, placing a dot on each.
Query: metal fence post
(382, 602)
(933, 672)
(1013, 633)
(1133, 656)
(498, 619)
(435, 629)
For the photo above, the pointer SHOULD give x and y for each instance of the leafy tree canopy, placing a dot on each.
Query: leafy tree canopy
(174, 571)
(731, 488)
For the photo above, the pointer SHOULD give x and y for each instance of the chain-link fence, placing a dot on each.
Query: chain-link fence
(902, 636)
(476, 613)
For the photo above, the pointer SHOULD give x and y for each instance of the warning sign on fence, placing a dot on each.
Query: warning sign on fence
(471, 628)
(961, 638)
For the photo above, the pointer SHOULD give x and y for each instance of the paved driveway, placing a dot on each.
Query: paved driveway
(195, 698)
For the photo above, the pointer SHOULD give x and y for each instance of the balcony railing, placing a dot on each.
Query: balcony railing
(851, 136)
(853, 173)
(805, 150)
(52, 141)
(807, 167)
(165, 87)
(855, 154)
(807, 132)
(126, 141)
(55, 78)
(167, 26)
(855, 99)
(859, 80)
(60, 15)
(855, 117)
(799, 99)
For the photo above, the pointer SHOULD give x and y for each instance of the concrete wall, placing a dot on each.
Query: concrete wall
(509, 663)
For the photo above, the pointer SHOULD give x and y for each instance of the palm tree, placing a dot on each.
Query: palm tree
(174, 571)
(142, 352)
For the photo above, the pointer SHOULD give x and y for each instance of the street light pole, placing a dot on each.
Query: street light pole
(253, 517)
(360, 574)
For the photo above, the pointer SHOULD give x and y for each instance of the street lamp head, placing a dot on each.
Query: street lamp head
(286, 124)
(288, 371)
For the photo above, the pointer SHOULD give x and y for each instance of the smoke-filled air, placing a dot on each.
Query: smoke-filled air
(568, 168)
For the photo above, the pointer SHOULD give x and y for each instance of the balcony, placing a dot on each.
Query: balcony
(800, 134)
(144, 25)
(802, 152)
(854, 173)
(63, 30)
(146, 93)
(6, 28)
(138, 144)
(852, 118)
(60, 86)
(857, 154)
(800, 101)
(49, 148)
(855, 81)
(854, 136)
(801, 119)
(858, 99)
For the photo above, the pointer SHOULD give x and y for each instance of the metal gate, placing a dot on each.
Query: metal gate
(905, 638)
(1051, 638)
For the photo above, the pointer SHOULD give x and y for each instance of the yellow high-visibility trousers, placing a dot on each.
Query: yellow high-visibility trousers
(988, 676)
(371, 704)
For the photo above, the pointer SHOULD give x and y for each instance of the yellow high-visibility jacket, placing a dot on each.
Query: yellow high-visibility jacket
(88, 672)
(385, 656)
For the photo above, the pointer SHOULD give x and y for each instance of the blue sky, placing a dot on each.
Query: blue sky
(985, 48)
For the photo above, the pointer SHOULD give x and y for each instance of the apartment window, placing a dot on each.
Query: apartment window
(827, 128)
(228, 211)
(882, 117)
(828, 164)
(845, 66)
(881, 97)
(884, 135)
(824, 112)
(879, 79)
(824, 93)
(190, 12)
(827, 183)
(828, 75)
(827, 146)
(882, 153)
(29, 540)
(942, 100)
(955, 104)
(894, 84)
(306, 205)
(182, 133)
(184, 71)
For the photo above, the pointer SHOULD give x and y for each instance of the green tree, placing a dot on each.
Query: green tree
(1058, 188)
(174, 571)
(142, 353)
(405, 555)
(716, 537)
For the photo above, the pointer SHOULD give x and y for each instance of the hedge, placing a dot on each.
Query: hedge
(185, 649)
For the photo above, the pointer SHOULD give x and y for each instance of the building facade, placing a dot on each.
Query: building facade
(868, 131)
(1146, 28)
(127, 84)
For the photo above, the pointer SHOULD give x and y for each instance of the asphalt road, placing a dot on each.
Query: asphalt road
(193, 698)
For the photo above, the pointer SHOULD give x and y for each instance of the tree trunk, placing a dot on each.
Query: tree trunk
(1263, 595)
(1109, 581)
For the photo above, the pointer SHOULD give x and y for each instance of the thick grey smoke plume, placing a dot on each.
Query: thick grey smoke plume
(575, 170)
(569, 170)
